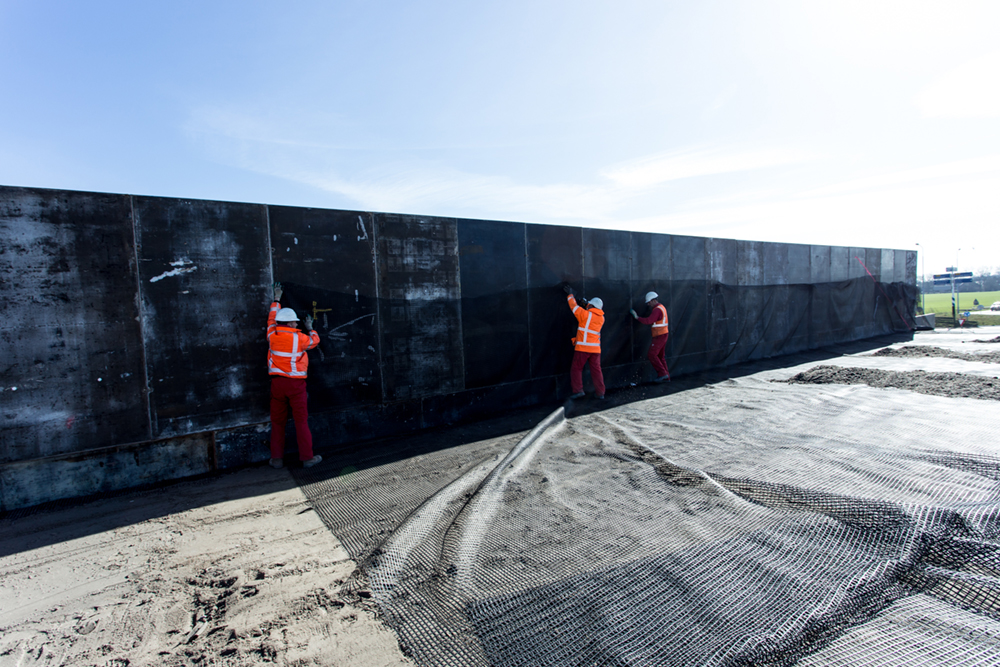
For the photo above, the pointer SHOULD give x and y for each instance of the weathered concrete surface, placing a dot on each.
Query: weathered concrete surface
(204, 270)
(37, 481)
(419, 308)
(73, 372)
(138, 320)
(494, 281)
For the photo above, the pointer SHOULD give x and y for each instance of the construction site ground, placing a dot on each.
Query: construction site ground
(244, 568)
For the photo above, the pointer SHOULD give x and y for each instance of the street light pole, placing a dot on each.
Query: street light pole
(956, 307)
(923, 282)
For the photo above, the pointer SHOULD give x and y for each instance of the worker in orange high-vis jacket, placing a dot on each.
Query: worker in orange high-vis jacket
(586, 343)
(657, 318)
(287, 363)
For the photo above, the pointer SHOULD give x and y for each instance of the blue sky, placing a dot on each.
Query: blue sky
(868, 123)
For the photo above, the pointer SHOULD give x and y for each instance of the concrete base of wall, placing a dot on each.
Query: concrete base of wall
(37, 481)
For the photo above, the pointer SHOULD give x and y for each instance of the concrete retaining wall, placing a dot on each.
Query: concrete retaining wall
(134, 326)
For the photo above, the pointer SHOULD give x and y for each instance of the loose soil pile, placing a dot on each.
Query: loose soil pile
(935, 384)
(929, 351)
(991, 340)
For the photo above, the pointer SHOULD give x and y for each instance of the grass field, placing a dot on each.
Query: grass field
(941, 304)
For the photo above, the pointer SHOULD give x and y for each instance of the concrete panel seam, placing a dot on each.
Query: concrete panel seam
(378, 303)
(527, 301)
(142, 322)
(270, 249)
(461, 329)
(631, 287)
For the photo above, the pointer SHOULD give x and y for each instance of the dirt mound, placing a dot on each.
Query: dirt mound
(935, 384)
(929, 351)
(991, 340)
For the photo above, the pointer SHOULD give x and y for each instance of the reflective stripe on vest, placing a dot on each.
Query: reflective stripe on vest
(586, 330)
(662, 322)
(292, 356)
(275, 369)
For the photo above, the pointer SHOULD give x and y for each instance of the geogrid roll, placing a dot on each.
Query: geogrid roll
(742, 523)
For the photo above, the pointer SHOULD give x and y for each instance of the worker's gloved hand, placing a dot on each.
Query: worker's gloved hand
(278, 291)
(634, 314)
(309, 322)
(568, 289)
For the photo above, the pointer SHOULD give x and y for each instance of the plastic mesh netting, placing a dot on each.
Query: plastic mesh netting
(747, 522)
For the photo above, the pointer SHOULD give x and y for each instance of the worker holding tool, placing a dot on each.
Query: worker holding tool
(587, 343)
(658, 319)
(287, 363)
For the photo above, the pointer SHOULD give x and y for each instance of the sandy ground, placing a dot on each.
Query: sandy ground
(234, 570)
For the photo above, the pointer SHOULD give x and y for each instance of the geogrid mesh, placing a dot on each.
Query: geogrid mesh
(742, 523)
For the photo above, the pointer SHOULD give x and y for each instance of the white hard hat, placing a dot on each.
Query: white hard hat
(597, 303)
(650, 296)
(286, 315)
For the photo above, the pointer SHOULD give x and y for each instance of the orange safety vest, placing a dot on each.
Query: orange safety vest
(286, 354)
(588, 333)
(660, 326)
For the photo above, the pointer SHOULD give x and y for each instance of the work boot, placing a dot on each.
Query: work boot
(578, 394)
(311, 462)
(277, 463)
(601, 397)
(663, 378)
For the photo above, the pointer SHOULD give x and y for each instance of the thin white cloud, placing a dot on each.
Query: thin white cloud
(988, 164)
(653, 170)
(264, 145)
(418, 187)
(971, 90)
(723, 98)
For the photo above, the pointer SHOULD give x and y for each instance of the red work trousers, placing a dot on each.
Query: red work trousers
(289, 392)
(655, 355)
(576, 371)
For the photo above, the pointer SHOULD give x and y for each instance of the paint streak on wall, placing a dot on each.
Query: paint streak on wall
(204, 355)
(182, 268)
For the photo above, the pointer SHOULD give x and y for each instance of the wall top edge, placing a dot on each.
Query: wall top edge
(5, 189)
